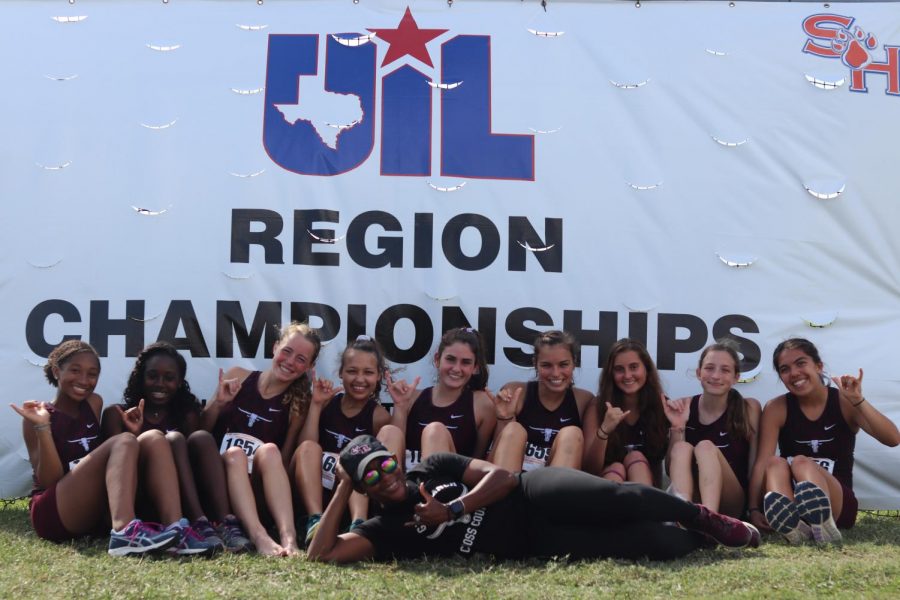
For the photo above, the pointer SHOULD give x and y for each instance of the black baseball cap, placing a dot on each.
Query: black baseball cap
(356, 455)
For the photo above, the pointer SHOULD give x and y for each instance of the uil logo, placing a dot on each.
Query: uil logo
(403, 123)
(836, 36)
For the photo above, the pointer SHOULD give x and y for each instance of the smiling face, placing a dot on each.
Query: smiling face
(293, 356)
(390, 488)
(455, 366)
(717, 373)
(799, 372)
(629, 373)
(161, 379)
(78, 376)
(360, 375)
(555, 366)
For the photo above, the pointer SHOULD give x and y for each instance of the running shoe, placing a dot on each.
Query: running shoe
(312, 526)
(233, 535)
(814, 508)
(190, 542)
(755, 538)
(726, 530)
(139, 538)
(205, 529)
(783, 517)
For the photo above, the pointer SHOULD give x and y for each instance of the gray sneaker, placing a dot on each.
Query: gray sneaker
(203, 527)
(233, 536)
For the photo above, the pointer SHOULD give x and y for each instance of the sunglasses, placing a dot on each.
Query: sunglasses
(387, 466)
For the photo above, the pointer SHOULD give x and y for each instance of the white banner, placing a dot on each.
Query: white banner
(198, 171)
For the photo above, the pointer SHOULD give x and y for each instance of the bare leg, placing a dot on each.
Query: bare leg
(244, 503)
(161, 477)
(805, 469)
(681, 469)
(210, 469)
(614, 472)
(638, 468)
(568, 448)
(308, 475)
(107, 477)
(509, 449)
(189, 498)
(436, 438)
(277, 489)
(720, 489)
(394, 440)
(778, 477)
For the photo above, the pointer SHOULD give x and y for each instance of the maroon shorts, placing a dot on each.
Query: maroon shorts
(849, 508)
(45, 516)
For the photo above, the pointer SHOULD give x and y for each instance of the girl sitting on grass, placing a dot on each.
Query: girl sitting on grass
(81, 486)
(806, 493)
(630, 441)
(335, 419)
(456, 414)
(712, 438)
(255, 417)
(539, 422)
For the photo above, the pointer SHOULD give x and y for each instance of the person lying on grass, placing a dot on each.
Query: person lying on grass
(451, 504)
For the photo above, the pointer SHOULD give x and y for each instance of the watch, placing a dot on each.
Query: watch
(456, 508)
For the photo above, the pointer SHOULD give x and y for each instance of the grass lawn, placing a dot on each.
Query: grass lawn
(868, 565)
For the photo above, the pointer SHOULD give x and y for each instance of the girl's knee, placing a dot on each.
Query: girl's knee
(266, 455)
(235, 458)
(614, 472)
(513, 433)
(308, 448)
(569, 439)
(176, 438)
(681, 451)
(706, 448)
(775, 464)
(634, 458)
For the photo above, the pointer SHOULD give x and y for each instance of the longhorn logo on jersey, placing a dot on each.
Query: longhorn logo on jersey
(836, 36)
(403, 124)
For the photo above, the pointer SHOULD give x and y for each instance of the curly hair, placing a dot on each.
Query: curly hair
(184, 402)
(652, 418)
(299, 393)
(60, 355)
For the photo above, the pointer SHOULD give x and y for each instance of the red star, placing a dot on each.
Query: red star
(407, 39)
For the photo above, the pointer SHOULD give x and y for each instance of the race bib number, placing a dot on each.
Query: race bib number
(535, 457)
(245, 442)
(413, 457)
(329, 465)
(825, 463)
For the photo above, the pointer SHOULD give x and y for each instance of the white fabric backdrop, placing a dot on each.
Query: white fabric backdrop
(669, 141)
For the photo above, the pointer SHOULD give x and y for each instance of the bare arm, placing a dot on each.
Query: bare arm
(322, 394)
(380, 418)
(327, 545)
(485, 422)
(859, 412)
(227, 388)
(754, 410)
(507, 405)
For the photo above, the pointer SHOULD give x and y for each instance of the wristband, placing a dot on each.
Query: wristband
(41, 427)
(676, 430)
(599, 429)
(750, 510)
(506, 419)
(858, 403)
